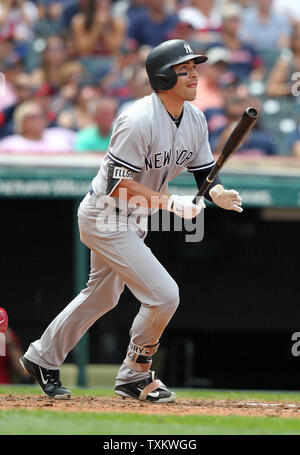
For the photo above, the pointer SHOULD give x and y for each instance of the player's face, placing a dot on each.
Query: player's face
(187, 80)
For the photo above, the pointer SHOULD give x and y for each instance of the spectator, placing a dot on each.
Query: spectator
(77, 116)
(139, 84)
(49, 22)
(280, 80)
(43, 96)
(293, 142)
(32, 136)
(209, 93)
(71, 51)
(153, 25)
(96, 31)
(96, 138)
(69, 11)
(8, 98)
(11, 65)
(116, 84)
(139, 87)
(245, 4)
(230, 88)
(204, 16)
(23, 91)
(264, 28)
(53, 57)
(17, 18)
(129, 8)
(11, 370)
(288, 8)
(185, 31)
(244, 60)
(8, 52)
(71, 76)
(258, 143)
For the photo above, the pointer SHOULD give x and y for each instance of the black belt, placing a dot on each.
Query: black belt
(91, 191)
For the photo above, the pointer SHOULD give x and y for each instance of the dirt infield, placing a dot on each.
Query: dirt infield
(180, 407)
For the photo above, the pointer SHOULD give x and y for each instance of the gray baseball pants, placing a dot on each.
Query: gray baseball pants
(119, 257)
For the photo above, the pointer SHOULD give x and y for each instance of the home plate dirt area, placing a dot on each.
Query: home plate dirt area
(129, 405)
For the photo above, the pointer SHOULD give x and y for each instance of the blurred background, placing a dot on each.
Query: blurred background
(68, 68)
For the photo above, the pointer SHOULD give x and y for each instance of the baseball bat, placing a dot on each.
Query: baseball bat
(235, 139)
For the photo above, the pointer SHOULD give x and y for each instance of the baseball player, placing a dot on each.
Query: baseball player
(154, 140)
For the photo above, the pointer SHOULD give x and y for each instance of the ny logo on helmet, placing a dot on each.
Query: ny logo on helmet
(188, 48)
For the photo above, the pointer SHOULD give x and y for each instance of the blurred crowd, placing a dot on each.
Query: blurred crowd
(71, 66)
(11, 370)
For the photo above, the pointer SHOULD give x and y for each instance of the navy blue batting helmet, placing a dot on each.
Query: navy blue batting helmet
(161, 59)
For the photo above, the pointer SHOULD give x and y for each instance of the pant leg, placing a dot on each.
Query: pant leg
(121, 257)
(100, 296)
(135, 264)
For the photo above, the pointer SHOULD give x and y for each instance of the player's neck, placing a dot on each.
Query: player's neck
(173, 104)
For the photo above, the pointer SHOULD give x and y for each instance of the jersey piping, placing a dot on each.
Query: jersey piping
(199, 168)
(124, 163)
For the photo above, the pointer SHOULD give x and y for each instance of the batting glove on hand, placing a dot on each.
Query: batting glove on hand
(184, 207)
(226, 199)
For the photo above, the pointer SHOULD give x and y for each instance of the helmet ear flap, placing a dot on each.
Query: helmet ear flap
(166, 79)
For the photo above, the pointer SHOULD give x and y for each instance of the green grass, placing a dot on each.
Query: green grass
(43, 422)
(245, 395)
(40, 422)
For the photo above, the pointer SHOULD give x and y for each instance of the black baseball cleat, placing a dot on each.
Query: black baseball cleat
(149, 389)
(48, 380)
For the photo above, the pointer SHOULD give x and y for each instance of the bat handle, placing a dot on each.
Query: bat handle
(246, 122)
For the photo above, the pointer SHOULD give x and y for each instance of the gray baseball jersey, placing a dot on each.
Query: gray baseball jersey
(146, 140)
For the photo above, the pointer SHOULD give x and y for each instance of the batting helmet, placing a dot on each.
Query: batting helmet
(161, 59)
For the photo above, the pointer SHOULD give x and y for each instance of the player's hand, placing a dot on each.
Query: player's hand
(184, 207)
(226, 199)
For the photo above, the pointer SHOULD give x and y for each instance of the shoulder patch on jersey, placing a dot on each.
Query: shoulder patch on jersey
(119, 172)
(115, 174)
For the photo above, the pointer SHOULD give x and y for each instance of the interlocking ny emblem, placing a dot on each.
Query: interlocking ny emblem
(188, 48)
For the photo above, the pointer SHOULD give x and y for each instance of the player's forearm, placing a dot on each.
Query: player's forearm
(139, 194)
(144, 196)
